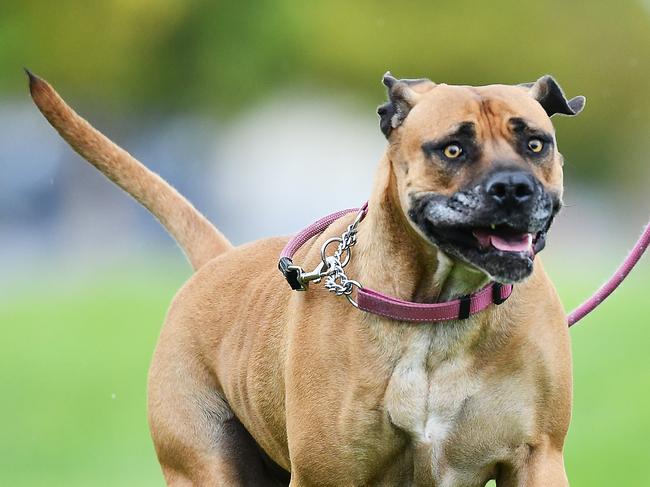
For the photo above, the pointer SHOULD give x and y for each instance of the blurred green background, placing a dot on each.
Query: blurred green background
(220, 55)
(210, 93)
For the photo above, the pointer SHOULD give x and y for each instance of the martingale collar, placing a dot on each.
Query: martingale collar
(331, 270)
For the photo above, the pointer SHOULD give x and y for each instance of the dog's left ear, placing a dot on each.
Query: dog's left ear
(549, 94)
(403, 94)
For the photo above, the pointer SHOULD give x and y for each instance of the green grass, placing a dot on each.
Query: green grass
(75, 353)
(73, 373)
(608, 440)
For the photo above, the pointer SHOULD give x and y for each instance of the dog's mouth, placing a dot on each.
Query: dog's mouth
(504, 252)
(501, 244)
(503, 238)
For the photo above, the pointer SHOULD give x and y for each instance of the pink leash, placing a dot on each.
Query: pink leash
(610, 286)
(494, 293)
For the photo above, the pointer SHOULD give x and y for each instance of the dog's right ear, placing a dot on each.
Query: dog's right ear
(403, 94)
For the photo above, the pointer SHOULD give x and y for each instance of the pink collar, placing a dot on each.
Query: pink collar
(380, 304)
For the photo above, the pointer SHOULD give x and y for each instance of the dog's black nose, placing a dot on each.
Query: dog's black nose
(511, 189)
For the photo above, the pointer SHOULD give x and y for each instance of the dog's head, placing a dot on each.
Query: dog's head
(477, 169)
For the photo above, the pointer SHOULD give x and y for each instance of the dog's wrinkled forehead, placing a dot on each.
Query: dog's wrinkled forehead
(443, 105)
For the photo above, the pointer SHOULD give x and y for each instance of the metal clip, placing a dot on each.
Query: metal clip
(315, 276)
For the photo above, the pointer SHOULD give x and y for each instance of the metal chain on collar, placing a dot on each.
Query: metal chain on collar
(331, 267)
(336, 281)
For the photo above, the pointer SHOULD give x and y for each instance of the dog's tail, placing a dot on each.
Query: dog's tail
(198, 238)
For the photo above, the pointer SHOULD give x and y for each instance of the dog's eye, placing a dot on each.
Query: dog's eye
(535, 145)
(452, 151)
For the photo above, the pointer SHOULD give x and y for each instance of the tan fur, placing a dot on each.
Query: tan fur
(344, 398)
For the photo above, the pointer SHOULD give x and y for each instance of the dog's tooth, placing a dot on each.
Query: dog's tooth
(493, 226)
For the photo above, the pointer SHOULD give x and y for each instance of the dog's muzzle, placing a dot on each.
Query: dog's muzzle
(498, 225)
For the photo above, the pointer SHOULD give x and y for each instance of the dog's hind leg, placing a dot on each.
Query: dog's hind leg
(198, 439)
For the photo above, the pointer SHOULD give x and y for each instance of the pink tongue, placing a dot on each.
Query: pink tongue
(510, 243)
(514, 243)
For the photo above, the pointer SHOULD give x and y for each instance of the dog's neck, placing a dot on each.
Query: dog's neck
(394, 259)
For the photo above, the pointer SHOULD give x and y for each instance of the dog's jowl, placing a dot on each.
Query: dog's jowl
(255, 385)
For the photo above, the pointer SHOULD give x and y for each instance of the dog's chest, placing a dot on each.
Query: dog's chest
(426, 403)
(454, 415)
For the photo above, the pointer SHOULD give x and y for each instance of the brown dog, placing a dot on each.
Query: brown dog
(251, 381)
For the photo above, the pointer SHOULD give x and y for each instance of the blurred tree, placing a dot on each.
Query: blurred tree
(223, 55)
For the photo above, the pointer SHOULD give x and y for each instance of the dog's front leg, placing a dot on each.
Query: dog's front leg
(543, 467)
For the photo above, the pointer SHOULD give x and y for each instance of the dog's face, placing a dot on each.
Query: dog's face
(477, 169)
